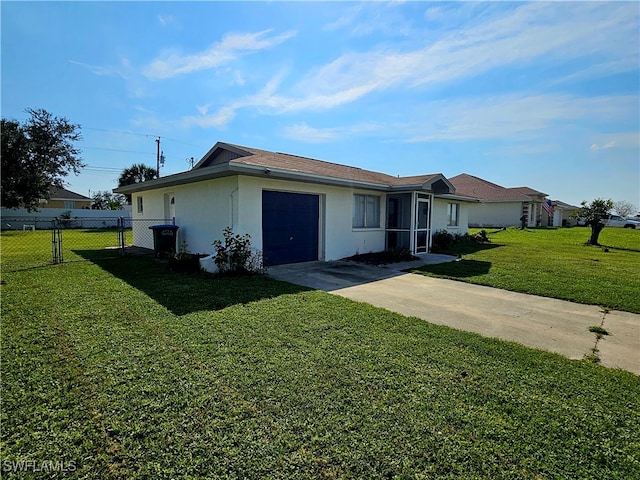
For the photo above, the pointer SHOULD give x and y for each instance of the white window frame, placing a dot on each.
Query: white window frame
(139, 204)
(453, 222)
(362, 215)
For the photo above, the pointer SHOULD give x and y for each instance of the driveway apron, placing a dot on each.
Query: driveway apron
(538, 322)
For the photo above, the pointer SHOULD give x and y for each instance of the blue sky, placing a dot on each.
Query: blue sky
(544, 95)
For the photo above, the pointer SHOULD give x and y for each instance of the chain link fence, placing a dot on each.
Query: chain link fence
(28, 242)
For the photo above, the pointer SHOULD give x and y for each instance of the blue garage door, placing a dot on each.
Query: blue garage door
(289, 227)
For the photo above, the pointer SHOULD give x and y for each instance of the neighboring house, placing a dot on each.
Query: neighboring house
(564, 215)
(63, 198)
(297, 209)
(500, 206)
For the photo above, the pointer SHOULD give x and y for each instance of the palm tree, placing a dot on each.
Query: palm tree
(136, 173)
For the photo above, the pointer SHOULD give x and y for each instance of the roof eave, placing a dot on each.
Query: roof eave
(190, 176)
(453, 196)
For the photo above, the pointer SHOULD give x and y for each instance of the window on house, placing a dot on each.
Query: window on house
(69, 204)
(453, 213)
(139, 203)
(366, 211)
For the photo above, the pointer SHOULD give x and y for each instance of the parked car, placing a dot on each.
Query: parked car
(618, 221)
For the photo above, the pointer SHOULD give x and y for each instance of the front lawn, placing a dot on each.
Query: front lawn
(122, 369)
(553, 263)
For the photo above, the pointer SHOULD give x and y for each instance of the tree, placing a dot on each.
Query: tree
(623, 208)
(37, 155)
(595, 215)
(136, 173)
(108, 201)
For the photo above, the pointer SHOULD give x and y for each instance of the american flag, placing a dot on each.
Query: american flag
(548, 207)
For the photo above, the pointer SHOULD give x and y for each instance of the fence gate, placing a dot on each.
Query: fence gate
(28, 244)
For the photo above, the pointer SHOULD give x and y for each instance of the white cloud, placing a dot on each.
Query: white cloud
(370, 18)
(165, 20)
(136, 84)
(304, 133)
(519, 36)
(220, 53)
(515, 117)
(216, 120)
(621, 140)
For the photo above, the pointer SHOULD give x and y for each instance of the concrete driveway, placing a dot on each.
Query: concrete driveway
(543, 323)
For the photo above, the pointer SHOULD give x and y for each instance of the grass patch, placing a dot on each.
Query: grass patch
(597, 329)
(553, 263)
(132, 371)
(27, 248)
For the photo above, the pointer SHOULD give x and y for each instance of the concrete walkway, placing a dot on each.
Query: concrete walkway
(538, 322)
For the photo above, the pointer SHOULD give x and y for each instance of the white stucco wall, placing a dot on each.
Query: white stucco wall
(202, 211)
(497, 214)
(439, 216)
(338, 238)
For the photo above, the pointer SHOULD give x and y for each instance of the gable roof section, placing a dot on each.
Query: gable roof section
(56, 193)
(227, 159)
(527, 191)
(481, 189)
(486, 191)
(563, 205)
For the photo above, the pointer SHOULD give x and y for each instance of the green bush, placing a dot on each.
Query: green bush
(442, 241)
(234, 255)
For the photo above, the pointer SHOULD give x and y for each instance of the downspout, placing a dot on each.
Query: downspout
(231, 206)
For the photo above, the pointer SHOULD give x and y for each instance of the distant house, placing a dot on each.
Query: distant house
(63, 198)
(564, 214)
(295, 208)
(499, 206)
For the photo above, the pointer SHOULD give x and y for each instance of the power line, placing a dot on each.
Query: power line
(120, 131)
(115, 150)
(123, 132)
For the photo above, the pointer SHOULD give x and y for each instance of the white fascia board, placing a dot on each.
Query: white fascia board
(190, 176)
(224, 170)
(461, 198)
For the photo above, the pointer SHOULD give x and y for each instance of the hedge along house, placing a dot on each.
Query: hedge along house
(297, 209)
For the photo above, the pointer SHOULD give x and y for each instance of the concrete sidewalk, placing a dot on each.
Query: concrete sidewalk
(538, 322)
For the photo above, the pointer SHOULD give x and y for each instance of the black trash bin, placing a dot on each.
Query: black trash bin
(164, 239)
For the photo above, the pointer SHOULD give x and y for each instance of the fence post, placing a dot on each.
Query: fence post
(56, 242)
(121, 236)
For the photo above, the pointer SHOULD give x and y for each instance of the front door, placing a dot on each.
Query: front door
(422, 231)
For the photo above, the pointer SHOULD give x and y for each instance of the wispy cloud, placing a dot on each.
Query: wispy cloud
(518, 37)
(620, 140)
(135, 83)
(230, 47)
(166, 20)
(304, 133)
(215, 120)
(369, 18)
(516, 117)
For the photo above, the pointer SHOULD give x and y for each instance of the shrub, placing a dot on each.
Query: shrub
(234, 254)
(442, 240)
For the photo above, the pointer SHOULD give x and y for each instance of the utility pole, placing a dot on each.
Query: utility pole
(158, 157)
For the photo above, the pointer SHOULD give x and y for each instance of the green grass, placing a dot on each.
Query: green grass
(129, 371)
(27, 248)
(554, 263)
